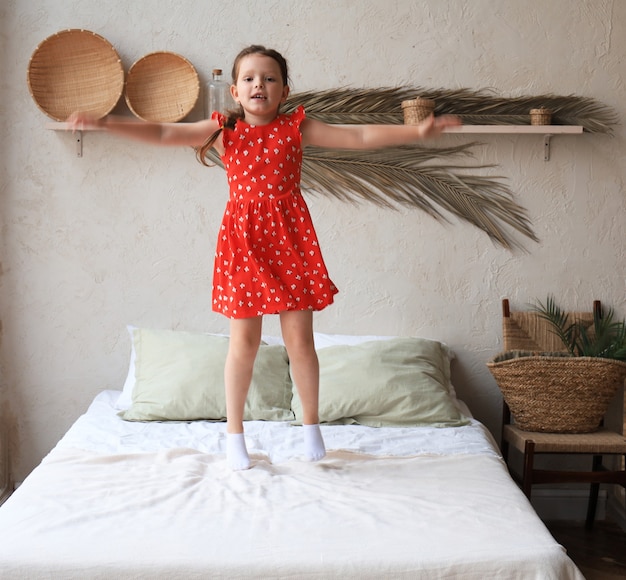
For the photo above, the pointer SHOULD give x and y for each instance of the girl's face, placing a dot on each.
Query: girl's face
(259, 88)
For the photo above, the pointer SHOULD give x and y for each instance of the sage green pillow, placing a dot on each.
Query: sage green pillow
(401, 382)
(179, 376)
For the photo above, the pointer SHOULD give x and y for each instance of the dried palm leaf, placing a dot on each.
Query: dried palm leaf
(592, 115)
(384, 105)
(397, 177)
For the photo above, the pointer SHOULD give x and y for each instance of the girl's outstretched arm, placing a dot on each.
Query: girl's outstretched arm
(373, 136)
(193, 134)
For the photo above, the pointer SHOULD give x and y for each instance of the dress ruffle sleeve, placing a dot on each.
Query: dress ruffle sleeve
(298, 116)
(219, 117)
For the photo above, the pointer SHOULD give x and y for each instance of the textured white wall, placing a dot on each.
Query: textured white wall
(126, 234)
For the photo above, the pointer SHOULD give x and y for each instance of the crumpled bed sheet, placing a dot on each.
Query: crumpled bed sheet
(114, 506)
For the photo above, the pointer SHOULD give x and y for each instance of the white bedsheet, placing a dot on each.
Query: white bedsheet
(100, 430)
(157, 501)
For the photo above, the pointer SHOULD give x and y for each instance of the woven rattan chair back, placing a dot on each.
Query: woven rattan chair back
(522, 330)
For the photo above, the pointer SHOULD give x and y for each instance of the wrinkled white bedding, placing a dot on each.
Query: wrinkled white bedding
(157, 501)
(100, 430)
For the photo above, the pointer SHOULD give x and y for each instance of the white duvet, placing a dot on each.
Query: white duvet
(157, 501)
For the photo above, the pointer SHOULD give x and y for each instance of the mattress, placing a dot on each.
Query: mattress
(120, 499)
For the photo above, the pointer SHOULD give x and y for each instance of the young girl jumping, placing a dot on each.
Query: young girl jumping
(268, 260)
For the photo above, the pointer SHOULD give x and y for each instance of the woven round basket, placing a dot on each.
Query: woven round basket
(162, 87)
(416, 110)
(557, 394)
(75, 70)
(540, 116)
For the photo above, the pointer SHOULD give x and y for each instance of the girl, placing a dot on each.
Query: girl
(268, 259)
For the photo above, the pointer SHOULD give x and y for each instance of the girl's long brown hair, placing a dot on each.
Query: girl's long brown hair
(233, 115)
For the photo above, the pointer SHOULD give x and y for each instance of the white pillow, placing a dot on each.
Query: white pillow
(125, 400)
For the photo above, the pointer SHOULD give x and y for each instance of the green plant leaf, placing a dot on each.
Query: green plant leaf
(559, 321)
(607, 338)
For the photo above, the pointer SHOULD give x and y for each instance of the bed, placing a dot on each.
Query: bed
(412, 486)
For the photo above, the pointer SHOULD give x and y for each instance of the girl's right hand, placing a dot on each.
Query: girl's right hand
(193, 134)
(79, 121)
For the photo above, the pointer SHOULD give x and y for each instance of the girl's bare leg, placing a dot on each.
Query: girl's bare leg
(245, 337)
(297, 329)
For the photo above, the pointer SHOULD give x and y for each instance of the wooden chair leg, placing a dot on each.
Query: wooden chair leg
(593, 494)
(527, 475)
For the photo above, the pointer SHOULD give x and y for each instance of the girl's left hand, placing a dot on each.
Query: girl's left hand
(433, 126)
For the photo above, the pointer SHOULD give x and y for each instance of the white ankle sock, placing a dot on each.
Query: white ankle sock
(236, 452)
(314, 448)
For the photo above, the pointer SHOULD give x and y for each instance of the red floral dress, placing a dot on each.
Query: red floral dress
(268, 259)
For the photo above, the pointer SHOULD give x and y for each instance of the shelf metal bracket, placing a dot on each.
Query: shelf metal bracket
(546, 147)
(79, 143)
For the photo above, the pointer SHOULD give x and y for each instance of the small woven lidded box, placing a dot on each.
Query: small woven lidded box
(416, 110)
(540, 116)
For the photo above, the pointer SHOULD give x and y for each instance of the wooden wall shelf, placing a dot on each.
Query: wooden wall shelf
(518, 129)
(548, 131)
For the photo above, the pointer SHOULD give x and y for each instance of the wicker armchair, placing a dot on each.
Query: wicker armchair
(525, 331)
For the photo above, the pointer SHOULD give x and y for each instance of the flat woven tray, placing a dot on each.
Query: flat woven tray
(162, 87)
(75, 70)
